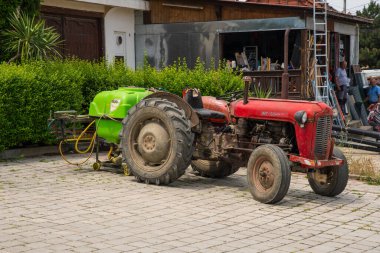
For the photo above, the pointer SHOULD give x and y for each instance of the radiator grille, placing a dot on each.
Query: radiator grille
(322, 136)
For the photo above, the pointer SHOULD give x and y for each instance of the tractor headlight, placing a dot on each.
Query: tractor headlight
(301, 118)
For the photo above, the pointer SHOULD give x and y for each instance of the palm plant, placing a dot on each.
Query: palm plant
(28, 38)
(260, 92)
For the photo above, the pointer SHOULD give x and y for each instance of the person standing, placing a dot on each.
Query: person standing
(342, 83)
(378, 80)
(373, 96)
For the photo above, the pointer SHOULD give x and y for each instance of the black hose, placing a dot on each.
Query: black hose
(357, 140)
(357, 131)
(355, 146)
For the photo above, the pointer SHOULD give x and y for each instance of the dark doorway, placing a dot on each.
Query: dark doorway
(267, 44)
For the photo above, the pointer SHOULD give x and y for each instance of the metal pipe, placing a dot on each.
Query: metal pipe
(285, 75)
(357, 131)
(355, 146)
(357, 140)
(247, 81)
(344, 6)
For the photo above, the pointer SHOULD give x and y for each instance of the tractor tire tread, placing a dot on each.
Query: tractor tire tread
(183, 136)
(278, 156)
(341, 178)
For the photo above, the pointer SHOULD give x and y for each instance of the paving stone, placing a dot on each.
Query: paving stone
(50, 206)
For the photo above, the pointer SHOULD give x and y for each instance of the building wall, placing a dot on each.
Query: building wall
(162, 11)
(258, 12)
(120, 23)
(109, 21)
(179, 11)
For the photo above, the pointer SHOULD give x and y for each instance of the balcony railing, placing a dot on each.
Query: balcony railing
(272, 79)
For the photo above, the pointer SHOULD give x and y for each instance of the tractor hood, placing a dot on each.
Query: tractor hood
(277, 109)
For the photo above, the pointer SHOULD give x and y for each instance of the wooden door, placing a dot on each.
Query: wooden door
(82, 37)
(81, 32)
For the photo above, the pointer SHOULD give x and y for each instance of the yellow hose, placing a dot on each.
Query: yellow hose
(110, 153)
(90, 146)
(79, 138)
(77, 164)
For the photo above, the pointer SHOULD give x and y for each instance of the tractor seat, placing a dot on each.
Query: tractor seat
(209, 114)
(194, 98)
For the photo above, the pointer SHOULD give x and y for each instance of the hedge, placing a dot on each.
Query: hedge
(30, 92)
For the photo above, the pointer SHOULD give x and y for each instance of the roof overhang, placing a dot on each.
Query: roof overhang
(350, 18)
(132, 4)
(298, 5)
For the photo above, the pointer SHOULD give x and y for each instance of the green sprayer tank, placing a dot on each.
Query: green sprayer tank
(114, 104)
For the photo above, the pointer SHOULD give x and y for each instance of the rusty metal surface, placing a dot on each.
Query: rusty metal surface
(309, 163)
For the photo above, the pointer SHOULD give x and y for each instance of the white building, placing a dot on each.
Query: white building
(92, 29)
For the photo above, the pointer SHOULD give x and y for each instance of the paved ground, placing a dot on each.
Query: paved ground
(48, 206)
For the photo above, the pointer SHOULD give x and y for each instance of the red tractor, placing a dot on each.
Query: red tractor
(163, 134)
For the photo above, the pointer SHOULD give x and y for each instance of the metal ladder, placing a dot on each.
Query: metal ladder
(322, 89)
(321, 67)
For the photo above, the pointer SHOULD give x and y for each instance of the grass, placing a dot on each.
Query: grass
(364, 168)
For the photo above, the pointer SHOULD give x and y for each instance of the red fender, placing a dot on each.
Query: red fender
(211, 103)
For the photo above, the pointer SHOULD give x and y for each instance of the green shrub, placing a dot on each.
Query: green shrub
(29, 92)
(27, 95)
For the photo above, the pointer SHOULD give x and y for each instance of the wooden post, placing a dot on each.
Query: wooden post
(285, 75)
(304, 48)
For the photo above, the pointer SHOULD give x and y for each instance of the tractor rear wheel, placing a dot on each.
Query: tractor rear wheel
(214, 169)
(330, 181)
(268, 174)
(157, 141)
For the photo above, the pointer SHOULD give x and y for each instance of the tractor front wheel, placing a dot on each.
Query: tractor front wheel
(214, 169)
(268, 174)
(157, 141)
(330, 181)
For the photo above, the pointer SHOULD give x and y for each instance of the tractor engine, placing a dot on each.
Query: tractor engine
(251, 133)
(214, 141)
(217, 140)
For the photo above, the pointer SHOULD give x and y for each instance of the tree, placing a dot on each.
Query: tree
(28, 38)
(7, 7)
(370, 36)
